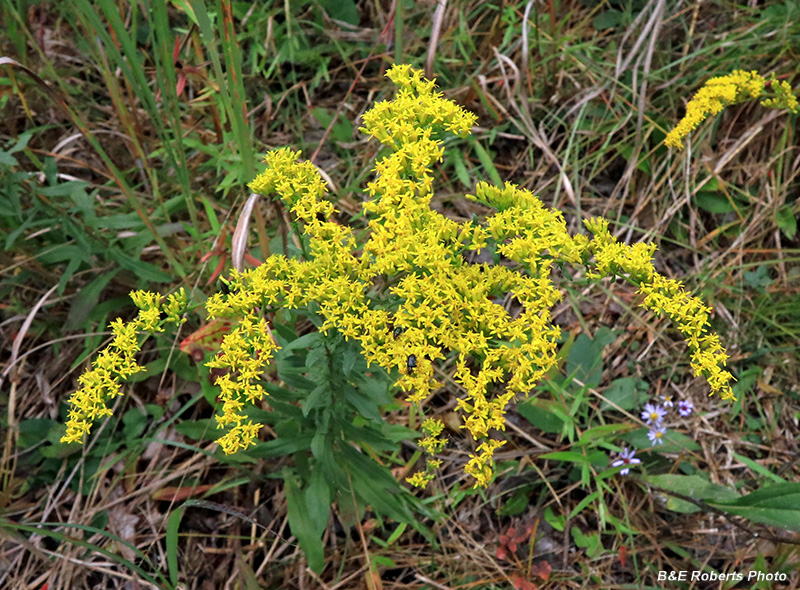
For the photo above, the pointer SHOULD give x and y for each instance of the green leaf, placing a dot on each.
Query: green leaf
(682, 506)
(758, 278)
(303, 526)
(34, 430)
(249, 577)
(758, 468)
(86, 300)
(296, 381)
(398, 432)
(626, 392)
(305, 341)
(590, 542)
(144, 271)
(280, 447)
(60, 450)
(320, 397)
(361, 402)
(585, 360)
(322, 443)
(376, 486)
(64, 189)
(603, 432)
(713, 202)
(350, 358)
(558, 522)
(173, 524)
(457, 159)
(318, 499)
(366, 435)
(626, 151)
(608, 19)
(6, 159)
(342, 129)
(343, 10)
(22, 142)
(486, 161)
(777, 505)
(516, 504)
(204, 429)
(786, 220)
(591, 458)
(694, 486)
(377, 387)
(583, 504)
(316, 363)
(539, 413)
(134, 422)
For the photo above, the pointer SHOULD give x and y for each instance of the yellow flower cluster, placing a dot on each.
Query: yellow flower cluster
(431, 445)
(783, 97)
(245, 353)
(480, 466)
(690, 315)
(116, 361)
(410, 296)
(662, 295)
(721, 91)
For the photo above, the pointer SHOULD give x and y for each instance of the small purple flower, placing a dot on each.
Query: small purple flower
(626, 458)
(653, 414)
(685, 407)
(667, 401)
(656, 435)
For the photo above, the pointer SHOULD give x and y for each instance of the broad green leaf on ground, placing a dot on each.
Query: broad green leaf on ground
(626, 392)
(694, 486)
(777, 505)
(585, 361)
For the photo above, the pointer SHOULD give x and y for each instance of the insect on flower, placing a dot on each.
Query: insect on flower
(224, 286)
(411, 363)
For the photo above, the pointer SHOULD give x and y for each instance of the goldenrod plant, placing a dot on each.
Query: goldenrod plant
(408, 295)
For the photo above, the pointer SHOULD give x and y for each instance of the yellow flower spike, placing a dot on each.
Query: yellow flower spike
(100, 384)
(722, 91)
(662, 295)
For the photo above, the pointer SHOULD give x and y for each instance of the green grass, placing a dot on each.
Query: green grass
(121, 183)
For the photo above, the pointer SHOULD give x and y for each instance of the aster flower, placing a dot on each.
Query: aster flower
(626, 458)
(685, 407)
(653, 414)
(656, 435)
(666, 400)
